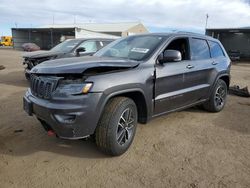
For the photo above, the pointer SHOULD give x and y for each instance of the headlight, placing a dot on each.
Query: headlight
(76, 89)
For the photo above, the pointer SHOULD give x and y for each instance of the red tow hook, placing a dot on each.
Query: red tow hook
(51, 133)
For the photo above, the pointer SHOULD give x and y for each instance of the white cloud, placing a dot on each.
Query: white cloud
(154, 13)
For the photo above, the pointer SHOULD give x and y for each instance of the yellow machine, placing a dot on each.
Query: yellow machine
(6, 41)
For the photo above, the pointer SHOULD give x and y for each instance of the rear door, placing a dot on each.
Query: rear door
(199, 71)
(218, 57)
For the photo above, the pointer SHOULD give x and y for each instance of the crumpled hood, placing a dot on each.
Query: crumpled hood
(40, 54)
(78, 65)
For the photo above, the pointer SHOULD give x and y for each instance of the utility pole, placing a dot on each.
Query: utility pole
(206, 21)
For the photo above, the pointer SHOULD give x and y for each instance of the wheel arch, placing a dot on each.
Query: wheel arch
(137, 95)
(225, 78)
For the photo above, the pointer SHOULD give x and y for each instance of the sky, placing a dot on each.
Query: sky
(156, 15)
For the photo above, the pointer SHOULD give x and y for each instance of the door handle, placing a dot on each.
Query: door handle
(214, 63)
(190, 66)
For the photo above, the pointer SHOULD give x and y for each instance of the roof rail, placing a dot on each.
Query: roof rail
(188, 32)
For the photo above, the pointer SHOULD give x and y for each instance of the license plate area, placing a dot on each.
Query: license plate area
(27, 106)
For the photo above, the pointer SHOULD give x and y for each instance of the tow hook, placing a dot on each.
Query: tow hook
(51, 133)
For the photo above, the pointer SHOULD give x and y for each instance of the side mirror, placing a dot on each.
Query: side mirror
(170, 56)
(78, 50)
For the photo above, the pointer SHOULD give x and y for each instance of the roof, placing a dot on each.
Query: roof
(180, 34)
(98, 27)
(40, 29)
(228, 29)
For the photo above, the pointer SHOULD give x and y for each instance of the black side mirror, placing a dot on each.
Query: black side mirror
(78, 50)
(170, 56)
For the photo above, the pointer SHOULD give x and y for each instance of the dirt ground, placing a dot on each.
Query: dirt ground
(192, 148)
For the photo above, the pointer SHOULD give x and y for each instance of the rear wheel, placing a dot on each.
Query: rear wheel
(218, 97)
(117, 126)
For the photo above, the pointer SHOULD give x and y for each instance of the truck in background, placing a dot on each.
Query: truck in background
(6, 41)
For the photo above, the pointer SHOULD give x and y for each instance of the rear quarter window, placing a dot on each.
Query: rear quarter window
(199, 49)
(215, 49)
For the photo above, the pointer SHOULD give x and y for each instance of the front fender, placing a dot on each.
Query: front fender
(139, 79)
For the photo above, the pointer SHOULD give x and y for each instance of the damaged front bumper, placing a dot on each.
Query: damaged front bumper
(70, 118)
(27, 73)
(28, 66)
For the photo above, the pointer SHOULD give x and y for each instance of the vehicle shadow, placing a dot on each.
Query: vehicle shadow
(22, 135)
(15, 78)
(41, 142)
(196, 109)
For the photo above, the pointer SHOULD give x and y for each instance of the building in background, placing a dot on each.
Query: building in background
(235, 40)
(50, 35)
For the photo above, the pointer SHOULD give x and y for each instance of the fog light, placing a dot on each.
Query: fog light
(67, 119)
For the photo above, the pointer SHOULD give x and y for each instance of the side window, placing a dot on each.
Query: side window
(101, 44)
(105, 42)
(90, 46)
(182, 46)
(199, 49)
(215, 49)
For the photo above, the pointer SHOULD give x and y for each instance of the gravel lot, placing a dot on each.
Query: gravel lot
(191, 148)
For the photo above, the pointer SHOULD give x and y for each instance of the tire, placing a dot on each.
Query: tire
(117, 126)
(217, 99)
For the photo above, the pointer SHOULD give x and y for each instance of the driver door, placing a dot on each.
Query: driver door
(170, 79)
(90, 47)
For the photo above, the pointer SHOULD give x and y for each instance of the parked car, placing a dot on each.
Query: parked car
(68, 48)
(131, 80)
(234, 55)
(30, 47)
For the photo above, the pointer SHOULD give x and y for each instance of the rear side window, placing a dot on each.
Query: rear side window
(215, 49)
(199, 49)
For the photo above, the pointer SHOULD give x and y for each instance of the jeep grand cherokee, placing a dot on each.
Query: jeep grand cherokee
(131, 80)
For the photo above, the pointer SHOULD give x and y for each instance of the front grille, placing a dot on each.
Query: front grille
(43, 86)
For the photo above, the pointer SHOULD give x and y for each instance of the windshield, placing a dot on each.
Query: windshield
(66, 46)
(133, 47)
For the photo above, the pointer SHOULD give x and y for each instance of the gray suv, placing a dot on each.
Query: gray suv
(131, 80)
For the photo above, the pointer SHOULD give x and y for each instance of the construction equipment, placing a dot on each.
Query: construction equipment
(6, 41)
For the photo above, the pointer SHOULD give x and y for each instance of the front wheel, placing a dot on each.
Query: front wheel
(117, 126)
(218, 97)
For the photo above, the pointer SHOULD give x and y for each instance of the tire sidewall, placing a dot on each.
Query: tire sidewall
(117, 148)
(220, 83)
